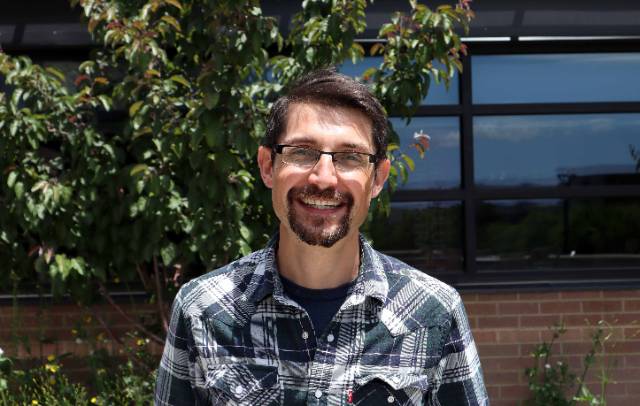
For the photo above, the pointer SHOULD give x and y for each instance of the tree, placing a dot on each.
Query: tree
(166, 186)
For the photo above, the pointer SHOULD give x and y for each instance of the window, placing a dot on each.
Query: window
(543, 234)
(440, 167)
(532, 174)
(556, 149)
(426, 235)
(556, 78)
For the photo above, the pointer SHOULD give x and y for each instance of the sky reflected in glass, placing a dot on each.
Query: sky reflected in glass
(556, 78)
(440, 167)
(554, 149)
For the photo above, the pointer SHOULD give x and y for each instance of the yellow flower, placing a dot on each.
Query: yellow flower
(51, 357)
(53, 368)
(140, 342)
(34, 402)
(74, 332)
(94, 400)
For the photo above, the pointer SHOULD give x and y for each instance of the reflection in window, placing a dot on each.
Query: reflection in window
(68, 68)
(558, 234)
(426, 235)
(438, 93)
(556, 149)
(56, 34)
(440, 167)
(556, 78)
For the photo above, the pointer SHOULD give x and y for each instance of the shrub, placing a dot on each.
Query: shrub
(553, 383)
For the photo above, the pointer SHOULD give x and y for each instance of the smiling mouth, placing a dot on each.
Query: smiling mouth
(322, 204)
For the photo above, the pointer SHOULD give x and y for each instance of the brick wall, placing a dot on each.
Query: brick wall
(506, 328)
(37, 331)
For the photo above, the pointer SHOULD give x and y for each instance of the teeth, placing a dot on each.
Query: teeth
(320, 203)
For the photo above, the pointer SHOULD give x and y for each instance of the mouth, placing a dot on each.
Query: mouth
(320, 204)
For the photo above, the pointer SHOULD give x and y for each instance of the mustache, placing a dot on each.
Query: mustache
(312, 191)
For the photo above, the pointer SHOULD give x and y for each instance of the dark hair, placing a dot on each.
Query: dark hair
(332, 89)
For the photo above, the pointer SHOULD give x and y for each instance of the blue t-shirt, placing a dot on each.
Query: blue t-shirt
(321, 304)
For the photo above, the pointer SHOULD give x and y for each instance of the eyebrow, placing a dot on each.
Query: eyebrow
(302, 140)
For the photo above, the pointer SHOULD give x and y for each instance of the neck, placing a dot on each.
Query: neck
(317, 267)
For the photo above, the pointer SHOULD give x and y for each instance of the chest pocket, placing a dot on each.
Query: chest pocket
(391, 389)
(238, 384)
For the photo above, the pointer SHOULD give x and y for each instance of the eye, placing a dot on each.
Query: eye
(298, 152)
(352, 157)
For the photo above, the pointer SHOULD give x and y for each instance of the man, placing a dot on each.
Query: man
(318, 316)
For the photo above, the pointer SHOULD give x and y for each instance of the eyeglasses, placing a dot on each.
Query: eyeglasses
(307, 158)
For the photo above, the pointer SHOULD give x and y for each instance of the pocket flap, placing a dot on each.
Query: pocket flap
(240, 380)
(397, 381)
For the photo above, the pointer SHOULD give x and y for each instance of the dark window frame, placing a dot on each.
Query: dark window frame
(471, 195)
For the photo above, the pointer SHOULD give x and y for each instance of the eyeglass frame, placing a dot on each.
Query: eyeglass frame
(373, 159)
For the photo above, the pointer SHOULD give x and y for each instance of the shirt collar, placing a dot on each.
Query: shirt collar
(370, 282)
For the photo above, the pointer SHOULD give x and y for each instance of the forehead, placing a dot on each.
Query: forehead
(321, 125)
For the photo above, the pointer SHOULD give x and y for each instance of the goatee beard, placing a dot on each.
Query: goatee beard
(312, 230)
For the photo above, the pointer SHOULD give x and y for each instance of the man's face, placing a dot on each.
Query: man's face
(322, 205)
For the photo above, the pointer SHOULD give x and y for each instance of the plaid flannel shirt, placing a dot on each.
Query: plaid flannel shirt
(400, 338)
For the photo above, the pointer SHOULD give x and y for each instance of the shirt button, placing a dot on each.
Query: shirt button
(239, 390)
(318, 393)
(330, 338)
(391, 399)
(305, 335)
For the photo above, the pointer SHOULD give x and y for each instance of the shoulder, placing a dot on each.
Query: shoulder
(220, 288)
(416, 299)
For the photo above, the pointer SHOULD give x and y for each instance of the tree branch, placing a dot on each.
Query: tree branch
(160, 300)
(105, 326)
(138, 325)
(144, 278)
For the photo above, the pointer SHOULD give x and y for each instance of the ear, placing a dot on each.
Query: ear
(380, 177)
(266, 165)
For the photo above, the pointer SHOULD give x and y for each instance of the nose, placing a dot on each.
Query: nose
(324, 174)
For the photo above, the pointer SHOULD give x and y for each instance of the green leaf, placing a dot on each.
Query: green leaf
(168, 254)
(11, 179)
(137, 169)
(171, 21)
(377, 48)
(309, 54)
(180, 79)
(409, 161)
(213, 132)
(18, 189)
(152, 72)
(133, 109)
(211, 99)
(106, 101)
(55, 72)
(246, 233)
(174, 3)
(61, 266)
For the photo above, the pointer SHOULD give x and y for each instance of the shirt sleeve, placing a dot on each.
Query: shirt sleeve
(461, 381)
(174, 382)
